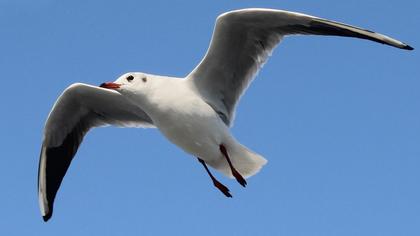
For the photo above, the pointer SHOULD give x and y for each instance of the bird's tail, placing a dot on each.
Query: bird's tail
(245, 161)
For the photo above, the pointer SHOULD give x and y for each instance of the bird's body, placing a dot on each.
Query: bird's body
(181, 114)
(194, 112)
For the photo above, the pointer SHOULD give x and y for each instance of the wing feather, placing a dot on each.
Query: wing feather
(80, 108)
(243, 40)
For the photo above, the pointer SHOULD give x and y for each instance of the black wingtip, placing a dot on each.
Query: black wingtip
(408, 47)
(47, 216)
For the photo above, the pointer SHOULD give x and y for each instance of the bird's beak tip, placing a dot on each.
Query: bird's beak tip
(110, 85)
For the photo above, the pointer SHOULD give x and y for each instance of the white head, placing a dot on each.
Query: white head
(133, 83)
(146, 90)
(135, 86)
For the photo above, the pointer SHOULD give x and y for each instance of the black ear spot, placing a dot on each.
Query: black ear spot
(130, 78)
(144, 79)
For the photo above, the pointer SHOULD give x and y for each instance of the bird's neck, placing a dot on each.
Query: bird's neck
(164, 95)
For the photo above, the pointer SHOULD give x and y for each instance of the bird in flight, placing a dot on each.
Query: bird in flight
(194, 112)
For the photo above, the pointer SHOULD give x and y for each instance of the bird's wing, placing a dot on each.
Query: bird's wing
(79, 108)
(244, 39)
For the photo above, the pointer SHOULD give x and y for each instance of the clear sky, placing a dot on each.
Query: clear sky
(338, 120)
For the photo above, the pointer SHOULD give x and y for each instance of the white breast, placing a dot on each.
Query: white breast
(190, 123)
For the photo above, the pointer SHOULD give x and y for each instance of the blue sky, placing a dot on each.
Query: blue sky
(338, 119)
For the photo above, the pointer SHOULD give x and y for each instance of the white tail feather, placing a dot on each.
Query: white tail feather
(245, 161)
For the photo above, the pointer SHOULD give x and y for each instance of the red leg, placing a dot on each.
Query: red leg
(235, 173)
(216, 183)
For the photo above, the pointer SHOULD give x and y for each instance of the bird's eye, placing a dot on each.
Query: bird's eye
(144, 79)
(130, 78)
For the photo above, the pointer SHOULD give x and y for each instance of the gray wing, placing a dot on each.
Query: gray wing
(244, 39)
(79, 108)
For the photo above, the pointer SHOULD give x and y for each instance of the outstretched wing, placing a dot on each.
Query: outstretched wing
(244, 39)
(79, 108)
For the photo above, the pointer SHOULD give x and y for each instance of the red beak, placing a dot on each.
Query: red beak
(110, 85)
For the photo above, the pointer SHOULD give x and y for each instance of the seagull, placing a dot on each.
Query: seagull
(196, 112)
